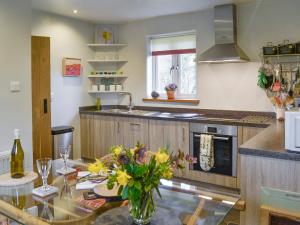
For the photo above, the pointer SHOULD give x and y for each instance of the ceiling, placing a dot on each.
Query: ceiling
(121, 11)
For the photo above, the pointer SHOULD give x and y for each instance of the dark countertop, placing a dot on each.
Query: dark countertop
(226, 117)
(269, 143)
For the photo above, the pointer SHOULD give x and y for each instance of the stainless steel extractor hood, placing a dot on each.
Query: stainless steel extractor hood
(226, 49)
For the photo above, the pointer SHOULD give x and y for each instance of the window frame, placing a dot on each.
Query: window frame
(176, 78)
(152, 70)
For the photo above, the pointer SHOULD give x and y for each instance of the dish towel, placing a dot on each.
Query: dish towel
(206, 156)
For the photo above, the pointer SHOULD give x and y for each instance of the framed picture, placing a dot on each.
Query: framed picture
(105, 34)
(71, 67)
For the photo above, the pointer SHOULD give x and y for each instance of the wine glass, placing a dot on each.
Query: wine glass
(44, 166)
(64, 152)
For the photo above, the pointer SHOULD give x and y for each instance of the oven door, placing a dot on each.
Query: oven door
(224, 154)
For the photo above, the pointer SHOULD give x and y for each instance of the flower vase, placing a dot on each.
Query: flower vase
(171, 94)
(142, 209)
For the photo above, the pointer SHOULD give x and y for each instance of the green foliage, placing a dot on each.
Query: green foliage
(138, 172)
(262, 79)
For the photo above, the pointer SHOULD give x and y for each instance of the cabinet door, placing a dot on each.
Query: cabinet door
(134, 130)
(173, 134)
(104, 134)
(87, 138)
(119, 129)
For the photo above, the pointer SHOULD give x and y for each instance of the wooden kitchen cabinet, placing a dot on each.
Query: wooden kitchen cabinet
(173, 134)
(105, 134)
(244, 135)
(87, 136)
(132, 130)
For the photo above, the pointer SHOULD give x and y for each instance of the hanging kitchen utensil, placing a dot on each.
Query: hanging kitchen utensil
(277, 78)
(262, 79)
(286, 48)
(276, 86)
(297, 47)
(270, 49)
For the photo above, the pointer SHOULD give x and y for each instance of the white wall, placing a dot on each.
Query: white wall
(224, 86)
(15, 65)
(68, 39)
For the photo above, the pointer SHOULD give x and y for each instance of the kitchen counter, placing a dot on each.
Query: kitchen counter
(269, 143)
(226, 117)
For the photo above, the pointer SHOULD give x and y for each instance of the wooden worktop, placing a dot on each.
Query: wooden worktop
(269, 143)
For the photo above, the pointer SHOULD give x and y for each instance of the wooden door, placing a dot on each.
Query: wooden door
(104, 134)
(41, 108)
(134, 130)
(87, 136)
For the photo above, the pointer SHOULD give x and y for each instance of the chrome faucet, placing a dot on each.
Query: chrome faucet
(130, 105)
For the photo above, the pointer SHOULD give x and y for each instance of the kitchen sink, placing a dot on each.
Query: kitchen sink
(132, 112)
(153, 113)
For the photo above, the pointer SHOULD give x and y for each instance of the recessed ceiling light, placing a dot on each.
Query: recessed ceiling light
(75, 11)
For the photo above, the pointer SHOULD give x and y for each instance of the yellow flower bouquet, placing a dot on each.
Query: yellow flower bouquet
(137, 172)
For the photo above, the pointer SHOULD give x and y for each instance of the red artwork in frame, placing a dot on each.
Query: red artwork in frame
(71, 67)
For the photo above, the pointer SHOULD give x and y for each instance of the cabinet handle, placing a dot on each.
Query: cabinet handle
(183, 137)
(135, 124)
(118, 127)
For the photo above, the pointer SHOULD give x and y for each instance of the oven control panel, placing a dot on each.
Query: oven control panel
(213, 129)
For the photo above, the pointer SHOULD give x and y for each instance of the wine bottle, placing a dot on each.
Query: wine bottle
(17, 157)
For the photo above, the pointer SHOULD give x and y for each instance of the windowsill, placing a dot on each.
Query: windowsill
(185, 101)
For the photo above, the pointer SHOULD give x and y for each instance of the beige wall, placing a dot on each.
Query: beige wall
(68, 39)
(226, 86)
(15, 65)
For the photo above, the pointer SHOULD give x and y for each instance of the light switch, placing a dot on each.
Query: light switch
(15, 86)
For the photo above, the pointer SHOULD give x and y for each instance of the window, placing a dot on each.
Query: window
(173, 61)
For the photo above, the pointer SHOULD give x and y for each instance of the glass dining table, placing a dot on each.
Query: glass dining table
(190, 205)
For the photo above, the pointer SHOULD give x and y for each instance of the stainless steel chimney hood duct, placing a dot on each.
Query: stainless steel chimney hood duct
(226, 49)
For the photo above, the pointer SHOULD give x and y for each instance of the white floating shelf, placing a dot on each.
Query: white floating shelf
(106, 61)
(107, 76)
(106, 45)
(107, 92)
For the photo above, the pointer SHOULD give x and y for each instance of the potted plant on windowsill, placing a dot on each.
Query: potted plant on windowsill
(170, 89)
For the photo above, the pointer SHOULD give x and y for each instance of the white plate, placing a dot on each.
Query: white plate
(103, 191)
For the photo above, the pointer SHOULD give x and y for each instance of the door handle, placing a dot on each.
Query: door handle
(215, 137)
(45, 105)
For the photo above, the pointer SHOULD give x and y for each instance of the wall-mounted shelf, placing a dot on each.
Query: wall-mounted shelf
(106, 61)
(102, 62)
(107, 76)
(283, 55)
(285, 58)
(106, 46)
(107, 92)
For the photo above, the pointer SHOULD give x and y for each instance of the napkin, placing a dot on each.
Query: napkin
(88, 185)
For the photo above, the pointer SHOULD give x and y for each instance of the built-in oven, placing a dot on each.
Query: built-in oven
(224, 147)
